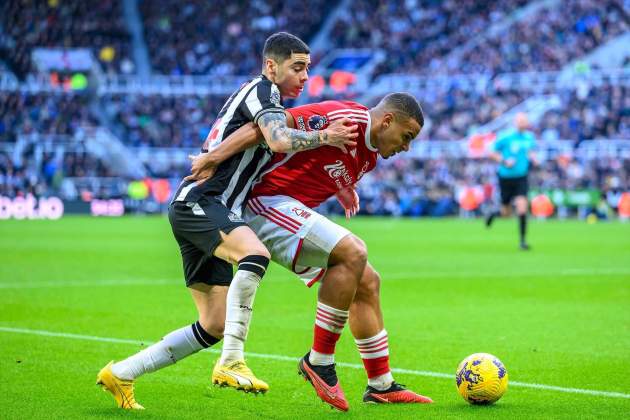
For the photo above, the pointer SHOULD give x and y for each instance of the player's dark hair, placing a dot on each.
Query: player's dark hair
(404, 106)
(281, 45)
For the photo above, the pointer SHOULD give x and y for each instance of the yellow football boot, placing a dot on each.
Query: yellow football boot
(121, 389)
(237, 375)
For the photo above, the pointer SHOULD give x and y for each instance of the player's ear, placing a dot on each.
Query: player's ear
(387, 120)
(271, 66)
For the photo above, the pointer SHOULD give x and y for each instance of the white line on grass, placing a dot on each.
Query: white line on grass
(394, 276)
(103, 283)
(294, 359)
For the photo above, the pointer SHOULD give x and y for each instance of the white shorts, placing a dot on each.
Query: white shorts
(297, 237)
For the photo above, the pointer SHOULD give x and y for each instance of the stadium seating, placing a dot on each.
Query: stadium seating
(40, 23)
(419, 37)
(415, 33)
(42, 113)
(184, 39)
(164, 121)
(549, 39)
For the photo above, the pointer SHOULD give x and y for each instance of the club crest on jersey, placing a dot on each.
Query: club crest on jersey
(301, 212)
(275, 95)
(317, 122)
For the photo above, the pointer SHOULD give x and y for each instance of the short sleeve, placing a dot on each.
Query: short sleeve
(263, 98)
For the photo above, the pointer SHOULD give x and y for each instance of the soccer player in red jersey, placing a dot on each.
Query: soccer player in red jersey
(280, 211)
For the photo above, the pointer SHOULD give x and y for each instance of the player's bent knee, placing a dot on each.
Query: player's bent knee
(350, 251)
(370, 285)
(359, 252)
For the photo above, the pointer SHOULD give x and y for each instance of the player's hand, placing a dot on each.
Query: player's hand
(202, 168)
(341, 133)
(349, 200)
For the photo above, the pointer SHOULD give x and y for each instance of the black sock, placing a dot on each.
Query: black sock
(203, 337)
(491, 216)
(257, 264)
(522, 225)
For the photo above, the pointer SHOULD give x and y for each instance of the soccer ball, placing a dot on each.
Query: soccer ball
(481, 379)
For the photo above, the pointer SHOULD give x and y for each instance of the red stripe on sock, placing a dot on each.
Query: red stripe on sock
(374, 350)
(332, 315)
(367, 346)
(331, 319)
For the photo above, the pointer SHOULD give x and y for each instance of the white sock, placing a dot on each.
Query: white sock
(321, 359)
(382, 382)
(240, 300)
(172, 348)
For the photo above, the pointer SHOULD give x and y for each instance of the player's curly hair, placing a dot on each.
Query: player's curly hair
(404, 106)
(280, 45)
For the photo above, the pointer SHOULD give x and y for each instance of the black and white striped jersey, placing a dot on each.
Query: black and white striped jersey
(234, 177)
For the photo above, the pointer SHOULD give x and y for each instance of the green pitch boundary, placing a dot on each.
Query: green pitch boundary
(280, 357)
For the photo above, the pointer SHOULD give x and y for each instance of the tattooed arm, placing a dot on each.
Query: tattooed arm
(283, 139)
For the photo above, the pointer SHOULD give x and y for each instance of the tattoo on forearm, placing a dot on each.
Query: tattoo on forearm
(291, 139)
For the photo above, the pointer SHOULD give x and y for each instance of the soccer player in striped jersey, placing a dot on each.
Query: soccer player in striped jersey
(206, 220)
(280, 211)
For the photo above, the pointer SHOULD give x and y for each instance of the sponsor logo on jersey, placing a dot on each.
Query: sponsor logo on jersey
(304, 214)
(317, 122)
(339, 173)
(275, 95)
(363, 170)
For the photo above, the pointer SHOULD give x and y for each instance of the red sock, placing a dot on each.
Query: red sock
(375, 354)
(329, 323)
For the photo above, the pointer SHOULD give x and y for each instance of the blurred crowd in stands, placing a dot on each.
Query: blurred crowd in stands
(98, 25)
(418, 35)
(588, 111)
(50, 173)
(224, 37)
(163, 121)
(221, 37)
(43, 113)
(430, 187)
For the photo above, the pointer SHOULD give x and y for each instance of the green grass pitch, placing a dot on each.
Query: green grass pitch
(78, 292)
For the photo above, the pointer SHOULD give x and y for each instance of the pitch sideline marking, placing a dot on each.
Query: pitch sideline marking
(294, 359)
(395, 276)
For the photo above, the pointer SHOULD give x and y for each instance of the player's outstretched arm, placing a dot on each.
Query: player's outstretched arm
(283, 139)
(204, 165)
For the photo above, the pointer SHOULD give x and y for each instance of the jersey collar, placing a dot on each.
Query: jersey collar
(367, 134)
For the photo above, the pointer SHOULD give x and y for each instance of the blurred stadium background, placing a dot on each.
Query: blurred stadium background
(101, 102)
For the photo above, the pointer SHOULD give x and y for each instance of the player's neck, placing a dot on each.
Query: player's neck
(264, 73)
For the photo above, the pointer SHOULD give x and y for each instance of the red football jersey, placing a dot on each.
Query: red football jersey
(313, 176)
